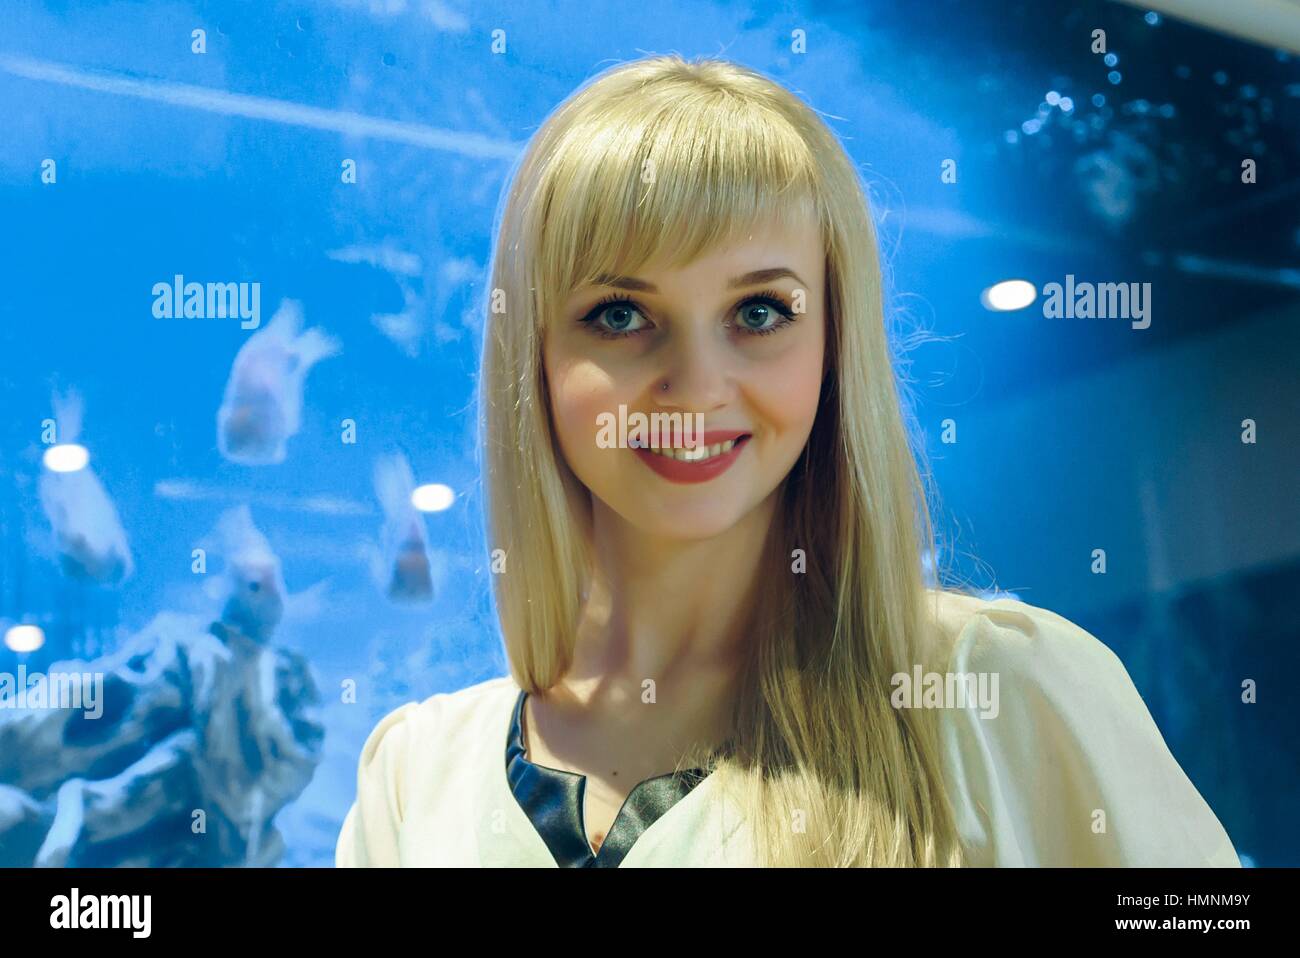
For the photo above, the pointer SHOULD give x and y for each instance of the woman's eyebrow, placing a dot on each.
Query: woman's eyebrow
(747, 279)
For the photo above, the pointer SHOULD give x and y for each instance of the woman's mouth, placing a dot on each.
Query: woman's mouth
(711, 459)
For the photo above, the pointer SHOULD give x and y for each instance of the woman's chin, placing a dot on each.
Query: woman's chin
(690, 522)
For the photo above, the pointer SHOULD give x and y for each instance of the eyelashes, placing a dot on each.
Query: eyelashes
(769, 298)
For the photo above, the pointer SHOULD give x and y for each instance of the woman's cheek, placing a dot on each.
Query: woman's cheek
(807, 389)
(581, 394)
(790, 390)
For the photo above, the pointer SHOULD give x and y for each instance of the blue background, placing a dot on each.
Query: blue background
(1072, 435)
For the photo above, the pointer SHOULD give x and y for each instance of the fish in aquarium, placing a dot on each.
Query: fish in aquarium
(88, 534)
(262, 405)
(402, 565)
(252, 583)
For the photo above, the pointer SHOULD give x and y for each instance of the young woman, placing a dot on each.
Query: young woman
(722, 654)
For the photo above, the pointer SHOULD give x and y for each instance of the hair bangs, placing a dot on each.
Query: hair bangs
(674, 177)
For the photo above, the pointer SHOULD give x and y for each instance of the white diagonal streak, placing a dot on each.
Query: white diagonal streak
(260, 108)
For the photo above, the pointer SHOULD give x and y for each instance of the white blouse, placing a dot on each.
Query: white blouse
(1067, 768)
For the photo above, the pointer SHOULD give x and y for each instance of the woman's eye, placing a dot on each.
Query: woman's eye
(621, 318)
(764, 314)
(756, 315)
(760, 315)
(615, 318)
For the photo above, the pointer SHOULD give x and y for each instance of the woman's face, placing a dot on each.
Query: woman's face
(738, 335)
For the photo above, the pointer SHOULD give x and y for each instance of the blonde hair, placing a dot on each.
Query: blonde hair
(664, 157)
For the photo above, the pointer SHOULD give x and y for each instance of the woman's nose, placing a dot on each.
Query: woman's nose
(699, 375)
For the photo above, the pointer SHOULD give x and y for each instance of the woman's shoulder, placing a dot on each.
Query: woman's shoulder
(1018, 639)
(1035, 671)
(418, 756)
(1056, 760)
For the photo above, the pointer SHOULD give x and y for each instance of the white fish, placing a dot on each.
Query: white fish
(402, 567)
(88, 534)
(253, 582)
(262, 406)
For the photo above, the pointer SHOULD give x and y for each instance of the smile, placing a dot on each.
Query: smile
(695, 465)
(694, 455)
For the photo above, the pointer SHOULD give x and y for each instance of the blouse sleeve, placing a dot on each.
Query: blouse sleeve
(370, 829)
(1069, 769)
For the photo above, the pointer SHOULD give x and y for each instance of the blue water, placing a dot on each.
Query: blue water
(234, 165)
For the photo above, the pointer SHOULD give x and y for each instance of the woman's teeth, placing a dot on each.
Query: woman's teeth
(693, 455)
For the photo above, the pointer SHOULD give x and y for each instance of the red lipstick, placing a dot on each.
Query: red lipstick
(677, 470)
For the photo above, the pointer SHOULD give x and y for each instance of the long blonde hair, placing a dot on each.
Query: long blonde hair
(668, 157)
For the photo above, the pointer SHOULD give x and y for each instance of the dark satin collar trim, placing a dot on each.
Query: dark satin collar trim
(552, 799)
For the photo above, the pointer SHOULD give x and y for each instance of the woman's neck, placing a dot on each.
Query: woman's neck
(667, 616)
(663, 608)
